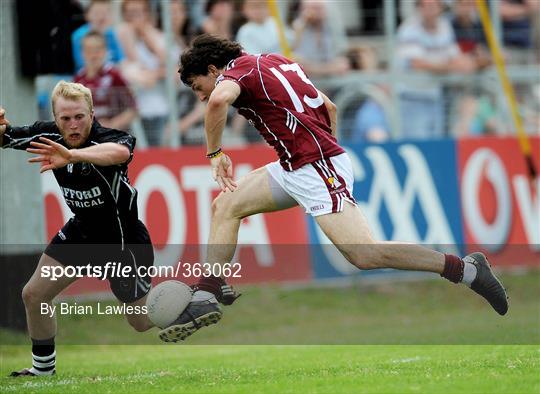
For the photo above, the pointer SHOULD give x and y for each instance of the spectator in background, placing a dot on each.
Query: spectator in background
(219, 22)
(469, 32)
(180, 26)
(426, 43)
(318, 46)
(516, 18)
(219, 16)
(114, 105)
(531, 110)
(195, 11)
(260, 33)
(528, 102)
(364, 58)
(467, 26)
(190, 110)
(536, 34)
(98, 16)
(475, 116)
(144, 68)
(370, 122)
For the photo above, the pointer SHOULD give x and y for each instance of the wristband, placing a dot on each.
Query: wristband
(215, 154)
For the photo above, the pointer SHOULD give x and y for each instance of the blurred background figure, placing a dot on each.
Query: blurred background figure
(469, 32)
(144, 68)
(180, 25)
(426, 43)
(369, 122)
(476, 116)
(114, 104)
(318, 45)
(190, 109)
(195, 13)
(219, 18)
(259, 34)
(517, 22)
(528, 100)
(99, 18)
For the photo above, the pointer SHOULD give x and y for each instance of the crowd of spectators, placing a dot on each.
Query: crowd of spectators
(447, 38)
(120, 53)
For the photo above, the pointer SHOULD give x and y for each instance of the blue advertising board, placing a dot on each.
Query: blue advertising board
(408, 191)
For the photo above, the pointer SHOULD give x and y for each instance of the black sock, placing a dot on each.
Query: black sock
(43, 356)
(211, 284)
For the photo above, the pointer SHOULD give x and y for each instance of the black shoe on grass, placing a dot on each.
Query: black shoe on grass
(198, 314)
(486, 283)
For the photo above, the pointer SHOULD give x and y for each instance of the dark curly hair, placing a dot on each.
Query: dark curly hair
(206, 50)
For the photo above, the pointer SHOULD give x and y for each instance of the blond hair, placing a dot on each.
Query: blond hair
(72, 91)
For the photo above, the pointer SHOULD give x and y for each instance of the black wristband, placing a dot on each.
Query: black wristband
(214, 154)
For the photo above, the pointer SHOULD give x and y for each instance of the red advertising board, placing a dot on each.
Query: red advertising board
(500, 203)
(175, 199)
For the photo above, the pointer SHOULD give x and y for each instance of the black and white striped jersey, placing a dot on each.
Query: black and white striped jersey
(100, 197)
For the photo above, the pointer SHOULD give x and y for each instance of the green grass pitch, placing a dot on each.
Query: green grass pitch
(281, 369)
(420, 337)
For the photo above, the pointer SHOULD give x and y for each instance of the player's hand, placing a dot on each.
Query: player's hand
(52, 155)
(3, 121)
(222, 172)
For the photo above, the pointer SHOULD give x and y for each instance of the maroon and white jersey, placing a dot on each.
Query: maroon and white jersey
(110, 92)
(281, 102)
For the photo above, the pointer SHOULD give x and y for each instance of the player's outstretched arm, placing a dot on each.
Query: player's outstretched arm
(225, 93)
(20, 137)
(53, 155)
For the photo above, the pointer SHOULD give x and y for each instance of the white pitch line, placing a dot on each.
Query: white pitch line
(407, 360)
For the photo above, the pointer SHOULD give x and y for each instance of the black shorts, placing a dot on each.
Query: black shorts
(79, 245)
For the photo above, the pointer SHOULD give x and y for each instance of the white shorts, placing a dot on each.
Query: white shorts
(321, 187)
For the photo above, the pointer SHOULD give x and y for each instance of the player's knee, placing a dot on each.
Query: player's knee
(31, 296)
(223, 207)
(218, 207)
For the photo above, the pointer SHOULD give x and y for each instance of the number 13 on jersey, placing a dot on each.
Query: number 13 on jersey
(313, 102)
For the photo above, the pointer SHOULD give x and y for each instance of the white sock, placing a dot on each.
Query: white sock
(469, 274)
(41, 373)
(201, 295)
(43, 365)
